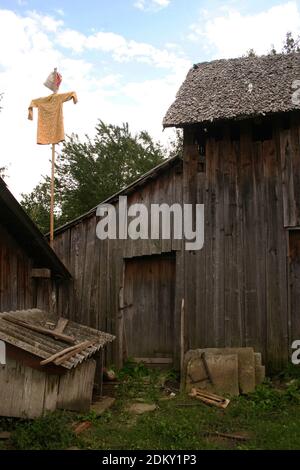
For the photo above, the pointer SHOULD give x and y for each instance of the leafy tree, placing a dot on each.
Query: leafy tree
(89, 172)
(176, 145)
(251, 53)
(3, 170)
(291, 44)
(92, 171)
(37, 205)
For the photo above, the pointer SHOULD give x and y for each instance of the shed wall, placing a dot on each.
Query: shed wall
(18, 289)
(26, 392)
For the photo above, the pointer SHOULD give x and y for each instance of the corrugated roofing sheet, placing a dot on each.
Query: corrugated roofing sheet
(44, 346)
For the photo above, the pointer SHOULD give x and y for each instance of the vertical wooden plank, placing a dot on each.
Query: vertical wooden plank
(177, 198)
(232, 240)
(200, 274)
(76, 387)
(209, 320)
(252, 331)
(219, 247)
(276, 282)
(190, 165)
(179, 295)
(295, 144)
(289, 203)
(51, 393)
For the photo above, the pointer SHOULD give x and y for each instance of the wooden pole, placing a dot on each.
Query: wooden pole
(52, 197)
(182, 345)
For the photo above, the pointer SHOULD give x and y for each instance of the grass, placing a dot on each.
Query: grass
(269, 418)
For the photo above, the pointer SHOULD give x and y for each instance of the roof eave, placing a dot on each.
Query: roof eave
(32, 240)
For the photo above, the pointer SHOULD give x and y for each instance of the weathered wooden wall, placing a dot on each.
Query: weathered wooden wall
(98, 266)
(25, 392)
(18, 289)
(236, 288)
(28, 392)
(15, 282)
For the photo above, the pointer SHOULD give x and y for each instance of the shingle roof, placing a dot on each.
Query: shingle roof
(236, 89)
(44, 346)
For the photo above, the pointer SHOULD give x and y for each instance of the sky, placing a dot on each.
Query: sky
(125, 59)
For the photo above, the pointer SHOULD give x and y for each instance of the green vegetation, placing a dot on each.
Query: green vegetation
(290, 45)
(49, 432)
(269, 418)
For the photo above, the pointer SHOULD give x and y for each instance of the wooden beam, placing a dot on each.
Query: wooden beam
(41, 273)
(182, 345)
(153, 360)
(40, 329)
(61, 325)
(81, 347)
(52, 196)
(64, 352)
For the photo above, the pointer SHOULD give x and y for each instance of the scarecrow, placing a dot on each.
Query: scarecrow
(50, 129)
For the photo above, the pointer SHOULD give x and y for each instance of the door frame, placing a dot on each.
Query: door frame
(122, 354)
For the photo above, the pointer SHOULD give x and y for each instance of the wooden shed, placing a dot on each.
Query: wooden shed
(48, 363)
(241, 123)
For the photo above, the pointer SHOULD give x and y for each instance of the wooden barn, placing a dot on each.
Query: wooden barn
(241, 124)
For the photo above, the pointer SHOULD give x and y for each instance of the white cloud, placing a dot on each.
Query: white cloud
(29, 49)
(121, 49)
(48, 23)
(233, 34)
(151, 5)
(71, 39)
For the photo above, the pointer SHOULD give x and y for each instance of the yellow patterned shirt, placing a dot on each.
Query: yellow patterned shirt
(50, 117)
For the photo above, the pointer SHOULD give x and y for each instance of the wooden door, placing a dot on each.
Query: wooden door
(149, 293)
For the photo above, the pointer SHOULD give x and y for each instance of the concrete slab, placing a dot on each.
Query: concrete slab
(223, 369)
(246, 364)
(260, 374)
(141, 408)
(246, 368)
(257, 359)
